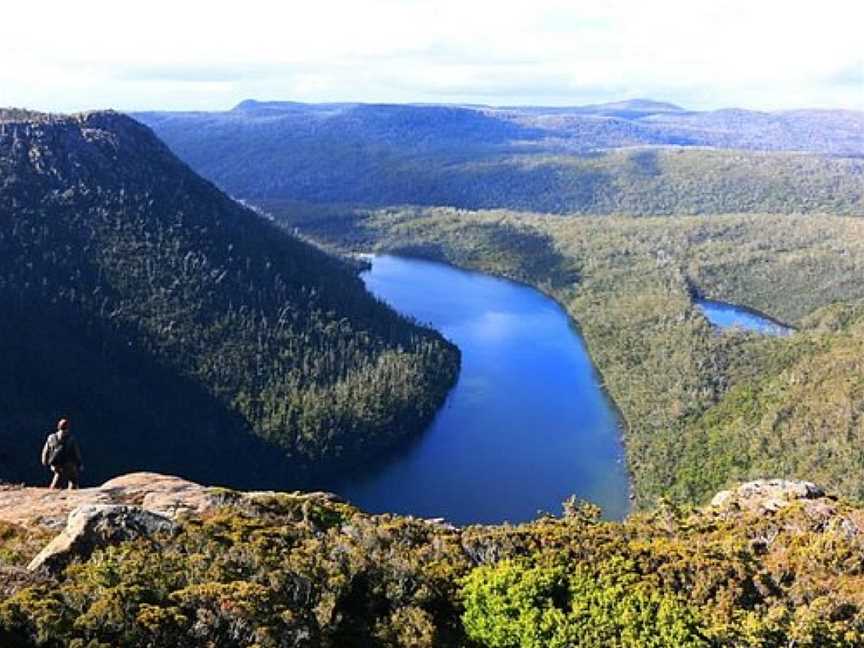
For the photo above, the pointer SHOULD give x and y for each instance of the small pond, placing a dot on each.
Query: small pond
(723, 315)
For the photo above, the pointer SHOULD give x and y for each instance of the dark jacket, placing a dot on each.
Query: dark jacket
(69, 451)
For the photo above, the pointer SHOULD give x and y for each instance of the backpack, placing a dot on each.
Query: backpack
(58, 452)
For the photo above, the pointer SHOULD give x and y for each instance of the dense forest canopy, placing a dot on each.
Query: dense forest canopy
(179, 330)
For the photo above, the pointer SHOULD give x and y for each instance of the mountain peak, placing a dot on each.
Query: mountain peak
(649, 104)
(254, 104)
(637, 105)
(66, 153)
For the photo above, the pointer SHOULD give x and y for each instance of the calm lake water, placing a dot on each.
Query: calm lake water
(729, 316)
(527, 424)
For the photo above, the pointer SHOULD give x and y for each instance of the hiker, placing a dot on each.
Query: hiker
(63, 456)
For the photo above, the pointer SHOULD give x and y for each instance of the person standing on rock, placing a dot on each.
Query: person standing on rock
(62, 455)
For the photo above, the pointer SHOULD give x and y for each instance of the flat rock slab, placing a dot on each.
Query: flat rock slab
(164, 494)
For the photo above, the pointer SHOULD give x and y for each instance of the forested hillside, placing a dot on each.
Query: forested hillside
(800, 415)
(630, 157)
(179, 330)
(702, 408)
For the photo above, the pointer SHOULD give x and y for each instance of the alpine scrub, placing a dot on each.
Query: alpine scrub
(767, 565)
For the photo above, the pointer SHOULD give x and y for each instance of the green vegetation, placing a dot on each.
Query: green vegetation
(702, 408)
(169, 323)
(126, 281)
(278, 570)
(801, 417)
(653, 182)
(633, 158)
(301, 570)
(512, 605)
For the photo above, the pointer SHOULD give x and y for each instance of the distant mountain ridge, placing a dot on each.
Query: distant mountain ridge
(639, 156)
(179, 329)
(829, 131)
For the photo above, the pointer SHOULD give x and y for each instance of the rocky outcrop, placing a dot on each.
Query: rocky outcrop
(96, 526)
(163, 494)
(770, 559)
(766, 495)
(138, 505)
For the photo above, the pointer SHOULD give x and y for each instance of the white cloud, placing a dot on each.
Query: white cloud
(61, 55)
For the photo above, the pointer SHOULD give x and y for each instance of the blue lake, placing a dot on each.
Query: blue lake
(725, 315)
(527, 424)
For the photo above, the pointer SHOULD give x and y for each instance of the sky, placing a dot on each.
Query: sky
(209, 55)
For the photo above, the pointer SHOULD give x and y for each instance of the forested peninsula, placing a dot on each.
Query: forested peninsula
(180, 330)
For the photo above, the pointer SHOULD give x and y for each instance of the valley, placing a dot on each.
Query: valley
(703, 408)
(240, 347)
(629, 281)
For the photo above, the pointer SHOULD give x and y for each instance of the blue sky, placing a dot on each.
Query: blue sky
(163, 54)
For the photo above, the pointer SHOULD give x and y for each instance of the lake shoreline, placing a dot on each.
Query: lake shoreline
(622, 424)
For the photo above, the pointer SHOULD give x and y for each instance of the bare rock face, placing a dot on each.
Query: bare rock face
(767, 495)
(96, 526)
(163, 494)
(128, 507)
(41, 507)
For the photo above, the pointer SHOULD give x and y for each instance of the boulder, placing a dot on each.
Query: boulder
(95, 526)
